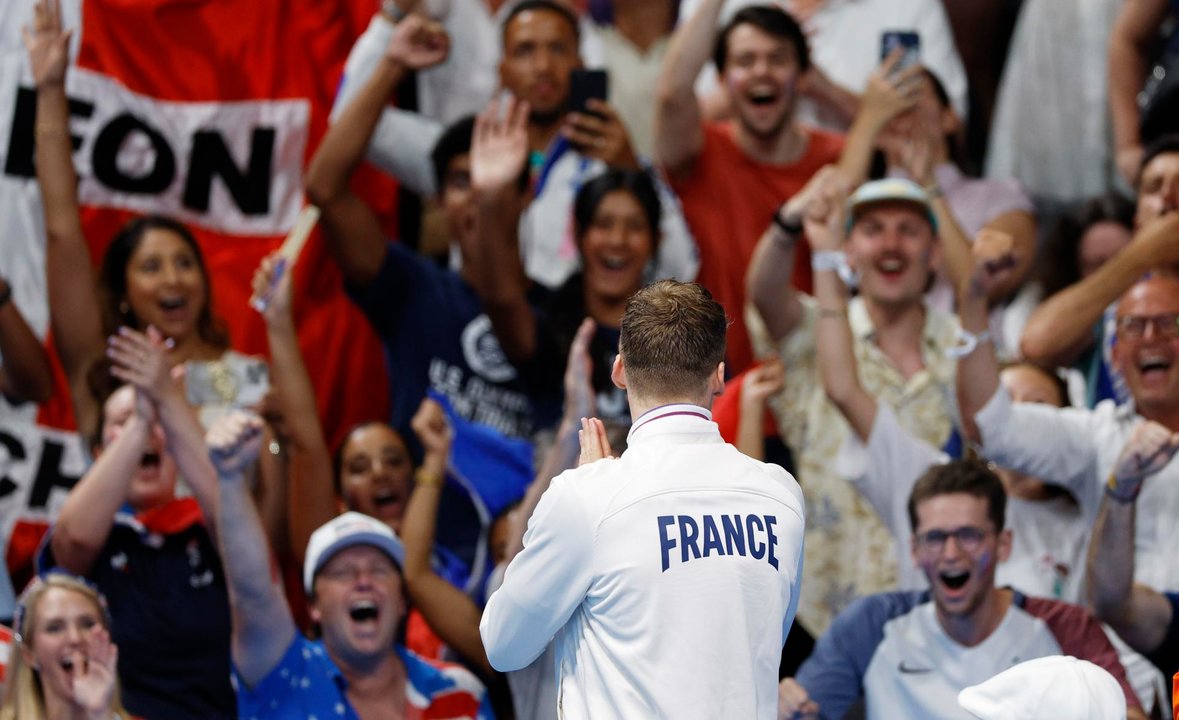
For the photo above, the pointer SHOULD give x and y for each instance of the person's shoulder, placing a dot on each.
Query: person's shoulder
(877, 609)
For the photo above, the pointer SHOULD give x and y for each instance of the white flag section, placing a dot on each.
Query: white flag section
(38, 464)
(233, 167)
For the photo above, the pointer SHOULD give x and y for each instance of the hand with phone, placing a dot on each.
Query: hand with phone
(891, 91)
(592, 126)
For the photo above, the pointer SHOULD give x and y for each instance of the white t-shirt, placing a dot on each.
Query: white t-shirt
(1049, 538)
(669, 578)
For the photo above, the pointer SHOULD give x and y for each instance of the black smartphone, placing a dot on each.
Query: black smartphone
(585, 84)
(907, 39)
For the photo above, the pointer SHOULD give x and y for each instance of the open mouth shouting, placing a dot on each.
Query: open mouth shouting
(364, 611)
(1154, 366)
(891, 267)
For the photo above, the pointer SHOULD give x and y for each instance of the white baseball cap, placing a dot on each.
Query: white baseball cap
(349, 530)
(889, 190)
(1056, 686)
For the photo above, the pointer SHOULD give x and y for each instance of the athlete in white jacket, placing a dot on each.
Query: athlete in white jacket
(668, 577)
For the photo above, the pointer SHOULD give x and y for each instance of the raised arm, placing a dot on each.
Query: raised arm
(88, 512)
(354, 236)
(73, 312)
(499, 154)
(679, 129)
(1134, 33)
(402, 140)
(448, 610)
(833, 335)
(1060, 324)
(978, 371)
(26, 374)
(262, 624)
(311, 502)
(1139, 614)
(142, 360)
(767, 281)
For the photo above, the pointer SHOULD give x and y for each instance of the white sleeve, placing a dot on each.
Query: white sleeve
(885, 470)
(402, 141)
(544, 583)
(1054, 444)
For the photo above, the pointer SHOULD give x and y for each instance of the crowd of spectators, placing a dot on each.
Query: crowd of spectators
(974, 379)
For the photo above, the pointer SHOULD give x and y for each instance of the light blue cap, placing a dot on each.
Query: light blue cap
(889, 190)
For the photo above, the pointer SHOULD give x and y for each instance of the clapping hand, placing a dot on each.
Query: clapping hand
(92, 673)
(141, 358)
(594, 443)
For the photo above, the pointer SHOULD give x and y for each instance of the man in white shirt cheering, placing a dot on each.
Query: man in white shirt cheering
(668, 577)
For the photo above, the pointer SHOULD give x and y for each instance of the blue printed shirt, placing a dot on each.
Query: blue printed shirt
(307, 685)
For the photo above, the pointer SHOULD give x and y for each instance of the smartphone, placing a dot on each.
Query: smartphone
(235, 381)
(907, 39)
(585, 84)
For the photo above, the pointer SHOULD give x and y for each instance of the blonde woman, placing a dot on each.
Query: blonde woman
(65, 667)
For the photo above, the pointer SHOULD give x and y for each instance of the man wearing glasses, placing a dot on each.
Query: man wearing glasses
(1078, 448)
(910, 654)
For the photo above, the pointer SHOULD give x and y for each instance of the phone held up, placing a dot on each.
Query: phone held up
(584, 85)
(909, 40)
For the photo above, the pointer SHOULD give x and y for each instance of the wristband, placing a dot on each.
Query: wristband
(966, 342)
(1118, 493)
(791, 227)
(425, 478)
(835, 260)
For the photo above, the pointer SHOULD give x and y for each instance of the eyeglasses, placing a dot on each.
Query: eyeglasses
(969, 539)
(1133, 327)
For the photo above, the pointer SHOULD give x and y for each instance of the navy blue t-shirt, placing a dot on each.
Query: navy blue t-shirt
(169, 609)
(562, 312)
(436, 335)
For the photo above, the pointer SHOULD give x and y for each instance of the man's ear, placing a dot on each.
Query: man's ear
(618, 372)
(1004, 549)
(716, 381)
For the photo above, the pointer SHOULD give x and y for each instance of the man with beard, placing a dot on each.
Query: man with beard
(732, 176)
(566, 149)
(910, 654)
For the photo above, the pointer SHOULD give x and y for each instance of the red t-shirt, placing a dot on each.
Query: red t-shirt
(729, 199)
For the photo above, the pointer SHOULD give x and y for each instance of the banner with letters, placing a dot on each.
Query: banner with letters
(206, 112)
